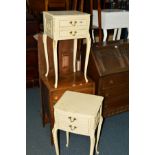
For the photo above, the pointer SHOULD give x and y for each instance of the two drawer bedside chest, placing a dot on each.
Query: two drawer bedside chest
(78, 113)
(64, 25)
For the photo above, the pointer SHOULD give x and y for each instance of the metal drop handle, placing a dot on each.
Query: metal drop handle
(73, 23)
(71, 119)
(73, 33)
(72, 127)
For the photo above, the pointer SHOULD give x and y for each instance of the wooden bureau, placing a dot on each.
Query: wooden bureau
(109, 67)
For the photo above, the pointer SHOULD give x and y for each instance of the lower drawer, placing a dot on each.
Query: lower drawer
(113, 92)
(73, 33)
(116, 100)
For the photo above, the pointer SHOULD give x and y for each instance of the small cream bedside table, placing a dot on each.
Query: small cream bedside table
(111, 19)
(78, 113)
(63, 25)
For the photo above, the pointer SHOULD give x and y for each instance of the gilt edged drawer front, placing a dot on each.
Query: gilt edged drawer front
(72, 123)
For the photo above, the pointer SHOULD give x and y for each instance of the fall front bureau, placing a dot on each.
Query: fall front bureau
(64, 25)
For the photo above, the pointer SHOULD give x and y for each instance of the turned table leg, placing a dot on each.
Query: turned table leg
(46, 53)
(55, 59)
(88, 42)
(114, 36)
(67, 139)
(98, 134)
(92, 144)
(119, 34)
(55, 140)
(74, 55)
(104, 35)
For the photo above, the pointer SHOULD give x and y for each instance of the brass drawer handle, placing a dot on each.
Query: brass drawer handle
(111, 82)
(72, 127)
(73, 23)
(73, 33)
(72, 119)
(107, 95)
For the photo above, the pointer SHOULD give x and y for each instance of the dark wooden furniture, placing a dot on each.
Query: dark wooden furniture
(109, 67)
(32, 76)
(37, 6)
(67, 79)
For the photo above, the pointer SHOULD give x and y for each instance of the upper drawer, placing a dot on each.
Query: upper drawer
(73, 23)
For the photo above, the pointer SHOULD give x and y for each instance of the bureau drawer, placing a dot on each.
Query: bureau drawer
(114, 80)
(72, 123)
(115, 91)
(73, 33)
(73, 23)
(116, 105)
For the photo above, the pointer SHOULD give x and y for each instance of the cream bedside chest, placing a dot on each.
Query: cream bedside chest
(78, 113)
(64, 25)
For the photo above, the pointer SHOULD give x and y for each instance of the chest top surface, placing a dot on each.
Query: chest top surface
(79, 103)
(65, 13)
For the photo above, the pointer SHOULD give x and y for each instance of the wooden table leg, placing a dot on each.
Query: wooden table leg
(46, 53)
(74, 55)
(55, 59)
(67, 139)
(104, 35)
(119, 34)
(88, 42)
(55, 140)
(114, 36)
(92, 144)
(98, 134)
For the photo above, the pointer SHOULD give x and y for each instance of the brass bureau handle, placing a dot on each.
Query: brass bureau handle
(72, 119)
(73, 33)
(73, 23)
(111, 82)
(72, 127)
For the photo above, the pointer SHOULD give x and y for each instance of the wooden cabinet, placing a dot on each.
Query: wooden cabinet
(37, 6)
(109, 68)
(32, 76)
